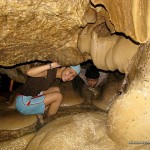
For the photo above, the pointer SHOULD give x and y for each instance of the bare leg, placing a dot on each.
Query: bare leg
(40, 118)
(52, 100)
(11, 85)
(51, 103)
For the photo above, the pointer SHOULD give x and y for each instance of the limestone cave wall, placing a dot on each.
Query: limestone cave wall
(70, 33)
(109, 32)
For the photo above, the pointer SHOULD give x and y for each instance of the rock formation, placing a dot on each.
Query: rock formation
(115, 34)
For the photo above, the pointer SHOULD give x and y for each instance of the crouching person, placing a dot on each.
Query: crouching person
(37, 95)
(93, 80)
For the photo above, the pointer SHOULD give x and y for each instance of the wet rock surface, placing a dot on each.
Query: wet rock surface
(109, 92)
(84, 130)
(129, 115)
(48, 31)
(38, 29)
(70, 132)
(17, 143)
(129, 17)
(70, 97)
(13, 124)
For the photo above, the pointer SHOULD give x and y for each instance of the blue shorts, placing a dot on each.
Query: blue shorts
(27, 105)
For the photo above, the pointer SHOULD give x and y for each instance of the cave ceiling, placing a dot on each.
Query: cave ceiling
(70, 32)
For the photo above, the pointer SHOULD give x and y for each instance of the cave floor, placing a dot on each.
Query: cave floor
(72, 110)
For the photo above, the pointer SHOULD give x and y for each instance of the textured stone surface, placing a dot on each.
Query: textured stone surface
(108, 52)
(129, 17)
(48, 30)
(36, 30)
(70, 97)
(84, 131)
(109, 92)
(17, 144)
(80, 131)
(13, 124)
(129, 117)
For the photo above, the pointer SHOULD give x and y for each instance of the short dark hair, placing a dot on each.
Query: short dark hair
(92, 72)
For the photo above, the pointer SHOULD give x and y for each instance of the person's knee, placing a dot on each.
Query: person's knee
(59, 97)
(52, 90)
(57, 89)
(53, 98)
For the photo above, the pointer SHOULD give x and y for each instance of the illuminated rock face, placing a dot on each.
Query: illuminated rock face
(73, 31)
(68, 32)
(108, 52)
(130, 17)
(81, 131)
(130, 115)
(40, 30)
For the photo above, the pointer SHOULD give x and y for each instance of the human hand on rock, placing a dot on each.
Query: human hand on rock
(54, 65)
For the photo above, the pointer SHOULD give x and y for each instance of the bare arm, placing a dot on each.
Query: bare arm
(41, 71)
